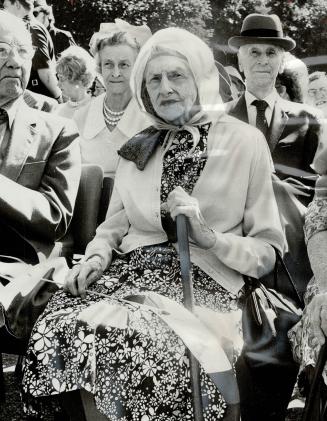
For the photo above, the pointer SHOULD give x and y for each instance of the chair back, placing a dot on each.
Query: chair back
(85, 217)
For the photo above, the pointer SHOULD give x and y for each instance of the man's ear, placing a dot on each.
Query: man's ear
(282, 64)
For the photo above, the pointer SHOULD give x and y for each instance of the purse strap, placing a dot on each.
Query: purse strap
(289, 277)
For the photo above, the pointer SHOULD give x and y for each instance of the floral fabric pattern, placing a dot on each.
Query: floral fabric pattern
(305, 348)
(140, 372)
(316, 217)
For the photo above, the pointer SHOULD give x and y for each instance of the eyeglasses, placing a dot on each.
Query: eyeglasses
(313, 92)
(25, 52)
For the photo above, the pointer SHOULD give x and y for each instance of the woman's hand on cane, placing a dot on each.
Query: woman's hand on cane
(81, 276)
(180, 202)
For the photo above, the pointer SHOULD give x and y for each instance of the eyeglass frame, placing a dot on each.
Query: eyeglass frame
(313, 91)
(29, 47)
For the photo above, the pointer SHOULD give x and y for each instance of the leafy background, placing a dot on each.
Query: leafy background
(214, 21)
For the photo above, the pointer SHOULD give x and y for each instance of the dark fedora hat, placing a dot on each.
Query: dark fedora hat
(266, 29)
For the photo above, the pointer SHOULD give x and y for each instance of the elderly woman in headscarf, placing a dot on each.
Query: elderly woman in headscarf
(129, 349)
(112, 118)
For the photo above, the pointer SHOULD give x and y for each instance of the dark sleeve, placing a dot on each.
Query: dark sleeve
(44, 52)
(311, 142)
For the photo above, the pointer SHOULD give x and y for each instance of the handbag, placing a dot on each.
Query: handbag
(266, 318)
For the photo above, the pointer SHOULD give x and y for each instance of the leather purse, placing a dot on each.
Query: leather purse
(266, 319)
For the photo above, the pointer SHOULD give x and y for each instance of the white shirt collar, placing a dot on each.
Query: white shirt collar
(270, 99)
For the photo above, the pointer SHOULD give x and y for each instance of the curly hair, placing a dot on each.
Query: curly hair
(117, 38)
(77, 65)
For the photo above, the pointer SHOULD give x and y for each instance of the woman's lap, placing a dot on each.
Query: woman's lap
(137, 371)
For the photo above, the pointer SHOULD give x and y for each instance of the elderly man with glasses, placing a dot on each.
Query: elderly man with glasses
(39, 157)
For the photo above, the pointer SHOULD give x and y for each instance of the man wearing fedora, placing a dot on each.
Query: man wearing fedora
(292, 131)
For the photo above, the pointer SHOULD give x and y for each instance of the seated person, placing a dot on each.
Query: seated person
(110, 119)
(317, 91)
(139, 369)
(75, 73)
(39, 157)
(309, 334)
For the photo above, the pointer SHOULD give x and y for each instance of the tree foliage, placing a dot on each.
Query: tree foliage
(83, 17)
(303, 20)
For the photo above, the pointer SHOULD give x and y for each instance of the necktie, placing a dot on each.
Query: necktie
(3, 140)
(261, 122)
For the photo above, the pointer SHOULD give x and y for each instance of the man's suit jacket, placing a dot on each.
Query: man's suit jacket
(293, 137)
(39, 178)
(293, 134)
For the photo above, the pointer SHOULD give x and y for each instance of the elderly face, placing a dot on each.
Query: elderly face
(116, 62)
(318, 92)
(171, 88)
(260, 64)
(16, 53)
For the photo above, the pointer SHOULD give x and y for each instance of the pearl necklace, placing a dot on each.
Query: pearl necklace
(111, 117)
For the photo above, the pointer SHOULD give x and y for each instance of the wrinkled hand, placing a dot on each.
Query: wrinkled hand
(317, 313)
(83, 275)
(181, 203)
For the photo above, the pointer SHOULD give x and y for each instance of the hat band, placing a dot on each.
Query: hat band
(262, 33)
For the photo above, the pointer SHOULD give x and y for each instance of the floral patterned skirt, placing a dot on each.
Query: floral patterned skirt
(136, 373)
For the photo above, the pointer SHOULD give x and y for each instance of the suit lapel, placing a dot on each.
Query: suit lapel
(278, 122)
(20, 140)
(240, 110)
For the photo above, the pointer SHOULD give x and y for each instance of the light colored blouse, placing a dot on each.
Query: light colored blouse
(236, 199)
(69, 108)
(99, 145)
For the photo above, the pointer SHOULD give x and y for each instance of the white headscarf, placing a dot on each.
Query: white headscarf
(201, 62)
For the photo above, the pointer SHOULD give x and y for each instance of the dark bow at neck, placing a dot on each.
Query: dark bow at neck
(141, 147)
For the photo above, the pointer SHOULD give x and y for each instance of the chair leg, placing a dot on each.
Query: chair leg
(2, 382)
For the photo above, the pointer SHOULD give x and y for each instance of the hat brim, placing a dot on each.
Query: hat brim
(236, 42)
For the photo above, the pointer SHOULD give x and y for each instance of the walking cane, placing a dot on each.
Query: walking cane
(185, 262)
(314, 392)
